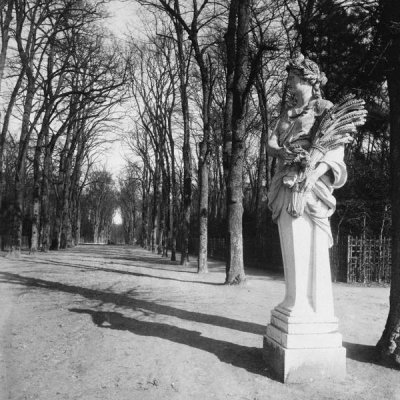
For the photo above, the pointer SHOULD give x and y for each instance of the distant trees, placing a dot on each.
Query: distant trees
(129, 200)
(154, 89)
(99, 202)
(63, 81)
(202, 15)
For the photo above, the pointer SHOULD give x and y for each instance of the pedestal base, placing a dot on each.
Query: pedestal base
(304, 348)
(304, 365)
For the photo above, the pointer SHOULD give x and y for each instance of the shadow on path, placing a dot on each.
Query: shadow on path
(83, 267)
(367, 354)
(114, 252)
(147, 257)
(248, 358)
(360, 352)
(130, 302)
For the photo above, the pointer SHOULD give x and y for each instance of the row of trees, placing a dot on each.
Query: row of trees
(208, 86)
(62, 78)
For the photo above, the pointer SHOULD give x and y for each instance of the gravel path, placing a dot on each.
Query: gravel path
(120, 323)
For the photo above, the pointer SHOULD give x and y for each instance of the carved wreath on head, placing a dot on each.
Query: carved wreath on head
(308, 68)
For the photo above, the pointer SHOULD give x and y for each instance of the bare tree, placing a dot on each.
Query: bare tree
(29, 17)
(202, 14)
(129, 200)
(183, 65)
(243, 68)
(154, 85)
(389, 344)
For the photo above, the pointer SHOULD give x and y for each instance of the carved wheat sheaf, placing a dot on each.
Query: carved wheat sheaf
(334, 128)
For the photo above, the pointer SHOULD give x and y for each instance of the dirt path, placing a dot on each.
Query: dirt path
(114, 322)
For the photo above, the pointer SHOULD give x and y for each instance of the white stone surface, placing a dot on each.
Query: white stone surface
(307, 271)
(305, 325)
(304, 365)
(303, 342)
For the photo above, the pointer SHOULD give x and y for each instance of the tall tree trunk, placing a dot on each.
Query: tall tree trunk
(262, 165)
(235, 268)
(66, 230)
(388, 346)
(155, 208)
(21, 166)
(96, 227)
(71, 178)
(162, 243)
(149, 223)
(144, 241)
(66, 226)
(230, 71)
(173, 205)
(36, 196)
(203, 206)
(45, 196)
(230, 40)
(4, 130)
(76, 190)
(186, 155)
(77, 225)
(63, 186)
(204, 164)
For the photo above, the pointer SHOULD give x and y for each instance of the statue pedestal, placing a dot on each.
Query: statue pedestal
(303, 347)
(302, 341)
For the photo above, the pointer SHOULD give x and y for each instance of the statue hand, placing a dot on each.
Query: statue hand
(312, 177)
(286, 155)
(310, 181)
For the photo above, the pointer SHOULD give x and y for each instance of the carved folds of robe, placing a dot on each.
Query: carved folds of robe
(305, 240)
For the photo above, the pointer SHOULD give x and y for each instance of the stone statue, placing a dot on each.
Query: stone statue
(308, 141)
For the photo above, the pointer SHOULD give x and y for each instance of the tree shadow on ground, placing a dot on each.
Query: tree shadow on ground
(366, 354)
(360, 352)
(83, 267)
(132, 303)
(248, 358)
(109, 252)
(149, 260)
(251, 274)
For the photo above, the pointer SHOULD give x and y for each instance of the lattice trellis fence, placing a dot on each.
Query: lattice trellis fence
(352, 259)
(368, 260)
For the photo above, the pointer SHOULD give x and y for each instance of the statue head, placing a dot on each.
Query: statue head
(308, 71)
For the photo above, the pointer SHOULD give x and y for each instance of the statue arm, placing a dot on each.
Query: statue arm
(310, 180)
(331, 168)
(334, 159)
(273, 147)
(275, 150)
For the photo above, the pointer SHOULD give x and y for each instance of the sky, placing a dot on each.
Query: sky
(124, 18)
